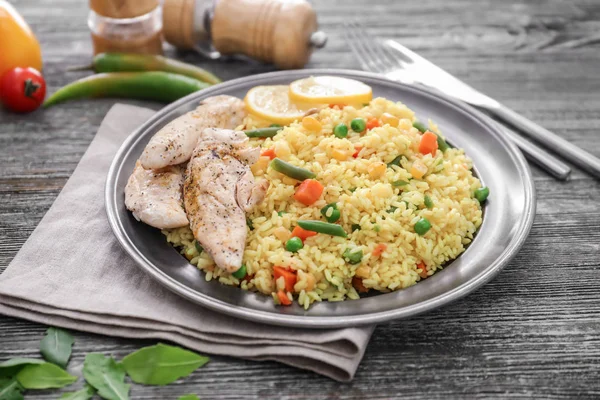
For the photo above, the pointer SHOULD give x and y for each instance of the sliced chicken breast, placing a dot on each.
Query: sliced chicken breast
(155, 197)
(219, 188)
(175, 142)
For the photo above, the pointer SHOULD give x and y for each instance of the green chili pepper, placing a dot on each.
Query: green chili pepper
(291, 170)
(263, 132)
(353, 256)
(198, 247)
(333, 215)
(422, 128)
(482, 194)
(240, 273)
(323, 227)
(159, 86)
(127, 62)
(428, 202)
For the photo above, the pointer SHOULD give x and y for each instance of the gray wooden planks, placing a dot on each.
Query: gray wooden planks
(532, 332)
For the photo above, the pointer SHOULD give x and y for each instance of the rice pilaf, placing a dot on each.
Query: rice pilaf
(379, 206)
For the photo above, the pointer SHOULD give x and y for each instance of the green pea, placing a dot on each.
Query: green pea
(331, 212)
(353, 256)
(428, 202)
(340, 131)
(358, 125)
(355, 227)
(294, 244)
(422, 226)
(240, 273)
(198, 247)
(376, 228)
(482, 194)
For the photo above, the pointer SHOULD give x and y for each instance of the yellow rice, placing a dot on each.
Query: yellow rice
(323, 274)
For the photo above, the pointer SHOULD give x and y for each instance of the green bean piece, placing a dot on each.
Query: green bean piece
(395, 161)
(352, 190)
(280, 213)
(340, 131)
(442, 145)
(198, 247)
(331, 212)
(275, 126)
(355, 227)
(323, 227)
(399, 183)
(240, 273)
(428, 202)
(422, 226)
(391, 210)
(422, 128)
(291, 170)
(263, 132)
(353, 256)
(294, 244)
(250, 224)
(482, 194)
(358, 125)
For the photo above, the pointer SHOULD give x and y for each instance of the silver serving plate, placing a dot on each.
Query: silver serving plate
(508, 214)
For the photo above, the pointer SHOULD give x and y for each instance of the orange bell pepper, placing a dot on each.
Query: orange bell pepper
(18, 45)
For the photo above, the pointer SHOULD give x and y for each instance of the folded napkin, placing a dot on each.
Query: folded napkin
(73, 273)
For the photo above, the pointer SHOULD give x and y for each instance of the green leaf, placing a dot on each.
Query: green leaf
(161, 364)
(84, 394)
(106, 376)
(14, 365)
(188, 397)
(10, 389)
(44, 376)
(56, 346)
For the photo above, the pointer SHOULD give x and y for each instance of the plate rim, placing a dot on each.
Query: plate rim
(307, 321)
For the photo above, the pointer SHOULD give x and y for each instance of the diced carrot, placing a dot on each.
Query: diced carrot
(308, 192)
(358, 285)
(302, 233)
(288, 276)
(248, 277)
(373, 123)
(339, 106)
(357, 149)
(269, 153)
(423, 268)
(428, 143)
(283, 299)
(379, 249)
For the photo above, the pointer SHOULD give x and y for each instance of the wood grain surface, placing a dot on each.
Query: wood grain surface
(534, 332)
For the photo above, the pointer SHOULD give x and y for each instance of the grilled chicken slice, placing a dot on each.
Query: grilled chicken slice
(155, 197)
(175, 142)
(219, 188)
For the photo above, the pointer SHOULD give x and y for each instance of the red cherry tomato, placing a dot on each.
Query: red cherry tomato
(22, 89)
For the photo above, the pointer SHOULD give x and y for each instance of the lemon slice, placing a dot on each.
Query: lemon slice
(273, 104)
(330, 89)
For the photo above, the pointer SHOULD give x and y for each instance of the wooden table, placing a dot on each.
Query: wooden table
(532, 332)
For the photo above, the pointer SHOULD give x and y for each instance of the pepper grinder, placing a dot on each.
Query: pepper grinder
(282, 32)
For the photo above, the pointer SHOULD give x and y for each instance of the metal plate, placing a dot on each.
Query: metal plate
(508, 215)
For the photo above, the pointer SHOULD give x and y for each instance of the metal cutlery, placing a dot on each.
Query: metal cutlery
(398, 63)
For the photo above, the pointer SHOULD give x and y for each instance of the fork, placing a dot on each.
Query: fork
(398, 63)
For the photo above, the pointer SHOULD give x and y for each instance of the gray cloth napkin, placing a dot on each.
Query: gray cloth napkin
(72, 273)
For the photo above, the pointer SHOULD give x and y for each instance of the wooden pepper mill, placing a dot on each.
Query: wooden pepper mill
(283, 32)
(130, 26)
